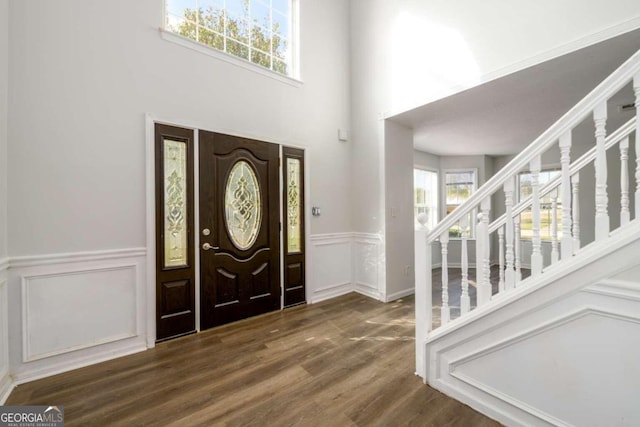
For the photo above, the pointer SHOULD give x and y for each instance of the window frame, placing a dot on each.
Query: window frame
(438, 189)
(472, 225)
(293, 78)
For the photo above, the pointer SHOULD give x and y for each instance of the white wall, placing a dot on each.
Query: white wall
(80, 147)
(5, 382)
(399, 228)
(83, 74)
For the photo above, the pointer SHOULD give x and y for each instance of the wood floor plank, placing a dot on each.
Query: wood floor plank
(343, 362)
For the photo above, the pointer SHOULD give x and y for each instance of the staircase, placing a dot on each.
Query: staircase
(561, 346)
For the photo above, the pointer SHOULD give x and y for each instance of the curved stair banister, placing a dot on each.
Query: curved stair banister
(502, 236)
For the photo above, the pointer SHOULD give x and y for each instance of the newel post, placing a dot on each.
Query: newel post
(422, 258)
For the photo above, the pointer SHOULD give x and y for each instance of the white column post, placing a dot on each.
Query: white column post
(602, 200)
(465, 302)
(575, 209)
(565, 159)
(423, 301)
(510, 277)
(555, 256)
(518, 265)
(445, 313)
(536, 255)
(625, 215)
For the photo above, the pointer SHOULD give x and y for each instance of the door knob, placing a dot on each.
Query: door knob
(207, 246)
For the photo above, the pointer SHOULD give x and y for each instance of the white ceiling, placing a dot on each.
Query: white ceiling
(505, 115)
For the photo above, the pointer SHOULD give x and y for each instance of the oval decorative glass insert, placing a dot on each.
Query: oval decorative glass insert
(242, 205)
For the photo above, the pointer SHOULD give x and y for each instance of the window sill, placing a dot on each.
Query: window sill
(239, 62)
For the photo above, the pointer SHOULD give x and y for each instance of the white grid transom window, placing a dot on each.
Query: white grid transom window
(258, 31)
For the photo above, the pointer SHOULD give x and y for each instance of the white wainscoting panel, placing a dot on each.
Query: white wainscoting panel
(563, 355)
(6, 384)
(331, 270)
(77, 309)
(368, 263)
(74, 310)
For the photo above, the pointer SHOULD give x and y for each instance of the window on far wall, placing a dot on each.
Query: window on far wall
(459, 185)
(546, 208)
(258, 31)
(425, 196)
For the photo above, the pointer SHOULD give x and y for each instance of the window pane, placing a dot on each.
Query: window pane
(260, 13)
(459, 186)
(212, 18)
(237, 49)
(546, 206)
(242, 205)
(426, 196)
(178, 7)
(237, 8)
(281, 24)
(261, 58)
(175, 203)
(210, 38)
(281, 5)
(293, 205)
(237, 27)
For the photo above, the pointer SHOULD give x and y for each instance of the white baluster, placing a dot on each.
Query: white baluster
(555, 256)
(510, 278)
(575, 209)
(565, 159)
(536, 255)
(486, 249)
(636, 89)
(480, 298)
(625, 215)
(602, 200)
(518, 274)
(465, 302)
(501, 258)
(445, 313)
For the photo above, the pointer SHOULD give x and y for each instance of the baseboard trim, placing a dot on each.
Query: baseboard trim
(6, 386)
(69, 365)
(4, 264)
(400, 294)
(332, 291)
(368, 291)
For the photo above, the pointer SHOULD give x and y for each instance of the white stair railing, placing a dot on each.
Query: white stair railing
(506, 231)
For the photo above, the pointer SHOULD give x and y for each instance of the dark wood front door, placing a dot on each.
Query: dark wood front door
(239, 228)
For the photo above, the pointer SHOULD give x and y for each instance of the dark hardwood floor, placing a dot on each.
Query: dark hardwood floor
(344, 362)
(455, 289)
